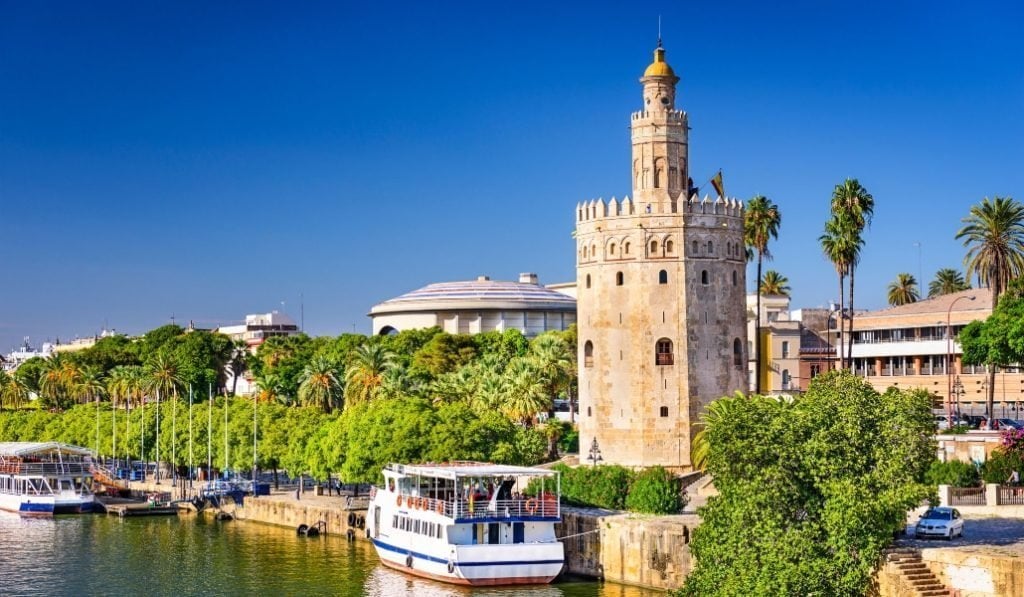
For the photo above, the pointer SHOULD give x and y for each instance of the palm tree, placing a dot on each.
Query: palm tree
(524, 392)
(761, 221)
(238, 364)
(13, 391)
(947, 281)
(320, 384)
(554, 361)
(58, 381)
(774, 284)
(365, 373)
(162, 374)
(839, 249)
(853, 205)
(903, 290)
(993, 234)
(90, 385)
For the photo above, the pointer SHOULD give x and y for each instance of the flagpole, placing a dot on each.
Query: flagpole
(190, 471)
(209, 435)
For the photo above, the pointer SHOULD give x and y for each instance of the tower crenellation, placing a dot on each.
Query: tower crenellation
(660, 295)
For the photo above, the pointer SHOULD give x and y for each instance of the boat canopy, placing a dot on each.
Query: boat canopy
(23, 449)
(474, 470)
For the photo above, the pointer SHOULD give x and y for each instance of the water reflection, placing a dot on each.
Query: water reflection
(105, 555)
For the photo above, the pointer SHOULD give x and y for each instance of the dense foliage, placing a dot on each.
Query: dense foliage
(655, 491)
(1000, 465)
(602, 486)
(356, 444)
(343, 405)
(955, 473)
(810, 490)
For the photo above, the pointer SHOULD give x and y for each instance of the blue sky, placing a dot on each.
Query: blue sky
(209, 160)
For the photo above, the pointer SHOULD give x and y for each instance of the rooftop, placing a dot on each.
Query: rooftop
(480, 293)
(21, 449)
(972, 304)
(469, 469)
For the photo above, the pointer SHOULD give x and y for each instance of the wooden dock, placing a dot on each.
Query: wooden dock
(124, 508)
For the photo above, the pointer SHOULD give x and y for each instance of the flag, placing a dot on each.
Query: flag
(716, 181)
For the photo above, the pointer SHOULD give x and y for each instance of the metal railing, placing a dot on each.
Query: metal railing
(1010, 495)
(461, 509)
(966, 496)
(44, 468)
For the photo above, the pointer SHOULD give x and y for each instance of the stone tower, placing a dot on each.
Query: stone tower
(661, 307)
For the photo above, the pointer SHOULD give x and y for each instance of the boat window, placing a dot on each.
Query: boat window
(394, 522)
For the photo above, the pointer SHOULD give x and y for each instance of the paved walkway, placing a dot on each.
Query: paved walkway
(982, 533)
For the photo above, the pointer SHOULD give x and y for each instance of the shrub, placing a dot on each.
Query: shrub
(569, 443)
(1000, 465)
(604, 486)
(655, 491)
(954, 472)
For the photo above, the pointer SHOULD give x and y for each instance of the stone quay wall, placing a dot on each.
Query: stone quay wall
(631, 549)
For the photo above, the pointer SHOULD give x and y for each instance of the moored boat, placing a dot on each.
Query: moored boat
(45, 478)
(468, 523)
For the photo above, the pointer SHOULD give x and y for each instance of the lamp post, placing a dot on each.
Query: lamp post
(956, 394)
(595, 453)
(949, 357)
(828, 334)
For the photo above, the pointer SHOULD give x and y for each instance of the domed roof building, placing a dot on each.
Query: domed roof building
(481, 305)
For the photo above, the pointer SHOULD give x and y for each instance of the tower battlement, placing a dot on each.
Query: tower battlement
(675, 116)
(597, 209)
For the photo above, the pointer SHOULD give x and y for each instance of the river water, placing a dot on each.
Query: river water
(189, 555)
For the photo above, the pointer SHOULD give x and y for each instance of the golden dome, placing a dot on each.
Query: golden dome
(659, 68)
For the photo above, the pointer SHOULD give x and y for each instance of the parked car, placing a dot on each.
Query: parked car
(1009, 424)
(940, 522)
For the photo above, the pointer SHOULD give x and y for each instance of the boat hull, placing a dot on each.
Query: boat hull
(479, 565)
(43, 506)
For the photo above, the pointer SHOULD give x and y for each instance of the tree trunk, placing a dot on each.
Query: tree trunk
(841, 325)
(990, 399)
(849, 350)
(757, 330)
(234, 383)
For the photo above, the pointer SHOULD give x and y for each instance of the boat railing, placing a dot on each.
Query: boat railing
(44, 468)
(478, 508)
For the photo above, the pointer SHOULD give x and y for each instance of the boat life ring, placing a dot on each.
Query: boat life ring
(451, 567)
(408, 560)
(531, 506)
(399, 500)
(440, 509)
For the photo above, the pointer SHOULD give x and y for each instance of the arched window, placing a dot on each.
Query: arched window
(668, 246)
(663, 277)
(733, 278)
(786, 379)
(695, 249)
(619, 279)
(611, 248)
(711, 248)
(588, 279)
(737, 353)
(593, 251)
(589, 414)
(663, 352)
(654, 247)
(584, 252)
(704, 277)
(625, 248)
(588, 354)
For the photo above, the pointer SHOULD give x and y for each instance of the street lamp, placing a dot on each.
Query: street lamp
(595, 453)
(949, 357)
(956, 394)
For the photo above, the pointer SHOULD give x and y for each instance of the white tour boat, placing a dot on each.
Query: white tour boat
(45, 478)
(468, 523)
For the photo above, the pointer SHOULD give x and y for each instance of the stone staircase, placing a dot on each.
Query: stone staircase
(916, 574)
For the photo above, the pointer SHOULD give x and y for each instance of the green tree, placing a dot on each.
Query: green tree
(810, 489)
(853, 206)
(321, 385)
(903, 290)
(774, 284)
(999, 339)
(947, 281)
(993, 234)
(238, 364)
(444, 353)
(524, 392)
(365, 372)
(761, 223)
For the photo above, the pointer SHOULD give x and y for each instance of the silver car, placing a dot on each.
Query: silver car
(940, 522)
